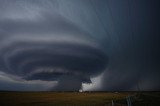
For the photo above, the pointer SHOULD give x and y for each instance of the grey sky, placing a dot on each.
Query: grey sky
(69, 42)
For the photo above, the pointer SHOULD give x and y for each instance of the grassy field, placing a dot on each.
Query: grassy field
(73, 99)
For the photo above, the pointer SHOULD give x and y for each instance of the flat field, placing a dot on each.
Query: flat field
(77, 99)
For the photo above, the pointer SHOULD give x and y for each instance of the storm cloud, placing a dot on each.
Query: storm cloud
(67, 43)
(49, 48)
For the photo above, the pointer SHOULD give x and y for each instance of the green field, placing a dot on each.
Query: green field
(76, 99)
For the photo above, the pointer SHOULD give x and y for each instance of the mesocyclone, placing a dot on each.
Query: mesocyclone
(49, 48)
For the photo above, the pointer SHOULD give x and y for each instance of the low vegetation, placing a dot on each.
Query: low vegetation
(68, 98)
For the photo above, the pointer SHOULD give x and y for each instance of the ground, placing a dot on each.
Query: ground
(78, 99)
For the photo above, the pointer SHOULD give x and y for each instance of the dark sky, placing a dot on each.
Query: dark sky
(66, 44)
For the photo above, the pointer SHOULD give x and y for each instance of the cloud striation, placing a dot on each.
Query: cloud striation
(113, 44)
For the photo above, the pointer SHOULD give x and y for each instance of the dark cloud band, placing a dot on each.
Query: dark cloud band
(53, 58)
